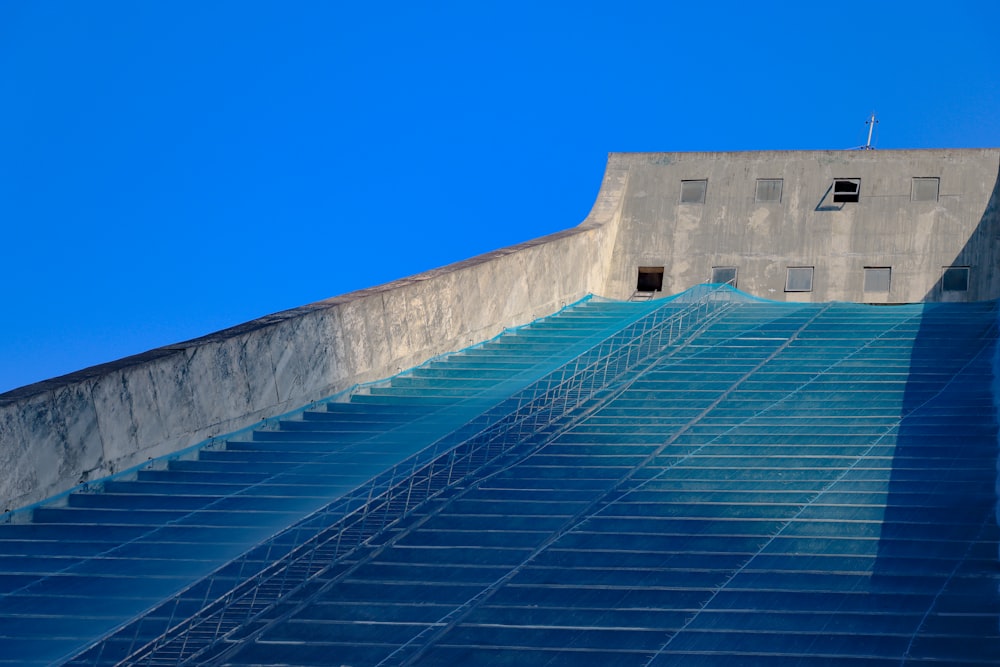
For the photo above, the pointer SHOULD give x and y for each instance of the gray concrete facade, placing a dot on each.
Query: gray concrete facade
(918, 211)
(83, 426)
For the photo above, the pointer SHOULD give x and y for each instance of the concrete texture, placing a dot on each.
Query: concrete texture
(86, 425)
(58, 433)
(807, 228)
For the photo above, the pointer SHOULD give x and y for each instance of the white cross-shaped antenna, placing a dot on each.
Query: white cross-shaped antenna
(871, 126)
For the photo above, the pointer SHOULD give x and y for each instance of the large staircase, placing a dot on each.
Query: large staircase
(706, 480)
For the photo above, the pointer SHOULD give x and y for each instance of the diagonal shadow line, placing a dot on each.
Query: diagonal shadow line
(941, 500)
(941, 493)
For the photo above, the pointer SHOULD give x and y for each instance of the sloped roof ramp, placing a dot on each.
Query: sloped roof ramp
(707, 479)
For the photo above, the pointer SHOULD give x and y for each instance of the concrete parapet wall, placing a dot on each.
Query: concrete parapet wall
(58, 433)
(61, 432)
(887, 226)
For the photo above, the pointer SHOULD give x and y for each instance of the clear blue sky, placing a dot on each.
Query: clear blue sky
(168, 169)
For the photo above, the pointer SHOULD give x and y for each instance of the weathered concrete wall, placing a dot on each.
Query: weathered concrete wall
(58, 433)
(806, 228)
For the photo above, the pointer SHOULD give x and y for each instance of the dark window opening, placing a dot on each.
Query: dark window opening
(650, 279)
(768, 190)
(799, 279)
(955, 279)
(725, 275)
(693, 192)
(925, 189)
(846, 190)
(877, 278)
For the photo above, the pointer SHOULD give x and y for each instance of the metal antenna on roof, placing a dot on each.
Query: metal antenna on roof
(871, 126)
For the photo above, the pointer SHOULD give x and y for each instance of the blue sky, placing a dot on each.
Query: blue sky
(168, 169)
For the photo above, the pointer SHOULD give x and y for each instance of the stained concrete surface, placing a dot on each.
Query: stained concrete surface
(98, 421)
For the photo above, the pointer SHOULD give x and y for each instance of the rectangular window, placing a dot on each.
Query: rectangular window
(768, 190)
(650, 279)
(724, 275)
(925, 189)
(846, 190)
(877, 278)
(693, 192)
(799, 279)
(955, 279)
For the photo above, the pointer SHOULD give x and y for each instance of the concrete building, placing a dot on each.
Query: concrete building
(922, 226)
(799, 228)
